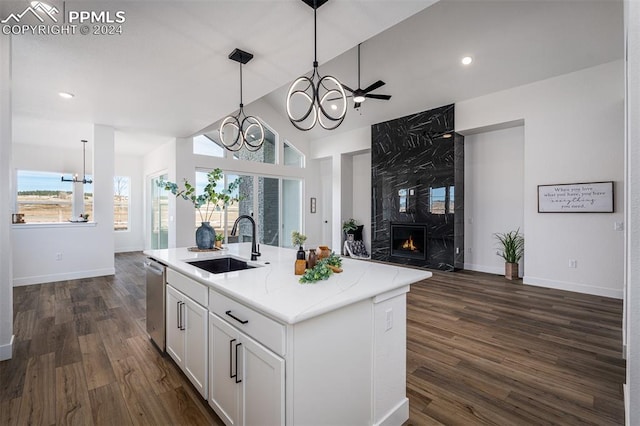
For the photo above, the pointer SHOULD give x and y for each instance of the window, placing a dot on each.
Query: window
(441, 200)
(121, 203)
(292, 157)
(277, 202)
(208, 145)
(43, 198)
(159, 213)
(266, 153)
(222, 219)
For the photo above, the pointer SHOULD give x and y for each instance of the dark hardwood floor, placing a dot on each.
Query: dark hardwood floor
(484, 350)
(481, 350)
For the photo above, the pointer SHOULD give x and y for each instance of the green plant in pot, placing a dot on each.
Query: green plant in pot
(210, 200)
(349, 226)
(512, 251)
(219, 239)
(298, 239)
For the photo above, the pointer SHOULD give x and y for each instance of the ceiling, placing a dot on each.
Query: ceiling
(168, 74)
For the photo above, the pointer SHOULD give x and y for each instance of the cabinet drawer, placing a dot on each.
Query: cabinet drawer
(195, 290)
(265, 330)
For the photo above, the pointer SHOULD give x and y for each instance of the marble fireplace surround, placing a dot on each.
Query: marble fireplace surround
(417, 177)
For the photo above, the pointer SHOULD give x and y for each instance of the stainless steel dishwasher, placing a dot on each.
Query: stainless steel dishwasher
(156, 283)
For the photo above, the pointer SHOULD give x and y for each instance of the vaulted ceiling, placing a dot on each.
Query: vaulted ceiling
(168, 74)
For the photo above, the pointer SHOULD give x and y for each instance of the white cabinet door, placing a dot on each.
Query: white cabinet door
(174, 319)
(195, 340)
(262, 385)
(246, 380)
(224, 392)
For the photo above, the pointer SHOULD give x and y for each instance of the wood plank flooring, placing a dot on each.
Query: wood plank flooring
(480, 350)
(484, 350)
(82, 357)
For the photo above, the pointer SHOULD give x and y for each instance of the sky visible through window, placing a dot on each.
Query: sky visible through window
(46, 181)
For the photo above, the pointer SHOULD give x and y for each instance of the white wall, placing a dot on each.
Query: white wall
(632, 299)
(86, 250)
(362, 194)
(493, 197)
(6, 175)
(133, 238)
(573, 128)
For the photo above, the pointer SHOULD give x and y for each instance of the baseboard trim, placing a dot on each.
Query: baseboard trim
(482, 268)
(128, 249)
(397, 416)
(40, 279)
(576, 287)
(6, 351)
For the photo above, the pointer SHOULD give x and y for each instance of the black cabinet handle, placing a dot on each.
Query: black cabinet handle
(237, 380)
(236, 318)
(231, 375)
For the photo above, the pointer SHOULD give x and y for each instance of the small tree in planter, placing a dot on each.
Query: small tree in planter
(512, 251)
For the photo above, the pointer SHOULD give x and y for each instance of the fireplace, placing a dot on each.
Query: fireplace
(409, 240)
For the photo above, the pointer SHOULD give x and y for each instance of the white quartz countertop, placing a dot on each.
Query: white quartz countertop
(274, 289)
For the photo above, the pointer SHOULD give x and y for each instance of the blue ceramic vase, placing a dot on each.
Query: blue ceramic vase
(205, 236)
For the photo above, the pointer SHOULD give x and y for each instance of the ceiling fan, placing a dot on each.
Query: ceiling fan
(359, 95)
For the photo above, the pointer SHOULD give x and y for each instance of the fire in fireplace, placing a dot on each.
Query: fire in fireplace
(409, 240)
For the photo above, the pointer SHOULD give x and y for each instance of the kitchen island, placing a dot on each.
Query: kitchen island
(280, 352)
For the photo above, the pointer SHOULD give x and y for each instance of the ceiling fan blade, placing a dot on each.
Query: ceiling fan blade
(383, 97)
(374, 86)
(356, 105)
(337, 99)
(345, 87)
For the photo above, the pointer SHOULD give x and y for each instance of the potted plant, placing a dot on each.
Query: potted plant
(348, 226)
(298, 239)
(512, 251)
(219, 239)
(206, 203)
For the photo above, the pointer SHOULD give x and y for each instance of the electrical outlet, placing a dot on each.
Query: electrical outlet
(573, 263)
(618, 226)
(470, 250)
(457, 250)
(58, 256)
(389, 313)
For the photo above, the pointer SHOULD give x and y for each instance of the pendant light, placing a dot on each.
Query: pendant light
(323, 95)
(241, 130)
(84, 168)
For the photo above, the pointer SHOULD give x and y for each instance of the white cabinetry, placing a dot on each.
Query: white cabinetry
(187, 328)
(343, 367)
(246, 379)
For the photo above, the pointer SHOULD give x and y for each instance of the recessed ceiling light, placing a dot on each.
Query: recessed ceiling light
(467, 60)
(66, 95)
(334, 107)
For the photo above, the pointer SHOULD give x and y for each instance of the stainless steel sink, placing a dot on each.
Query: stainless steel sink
(221, 265)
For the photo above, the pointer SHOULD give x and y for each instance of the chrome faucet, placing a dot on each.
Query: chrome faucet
(254, 246)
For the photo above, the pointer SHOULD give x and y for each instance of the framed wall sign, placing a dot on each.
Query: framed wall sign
(591, 197)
